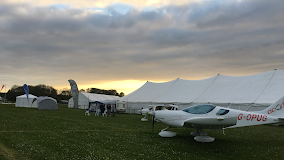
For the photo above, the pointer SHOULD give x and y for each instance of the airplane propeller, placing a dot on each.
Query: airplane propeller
(152, 113)
(153, 122)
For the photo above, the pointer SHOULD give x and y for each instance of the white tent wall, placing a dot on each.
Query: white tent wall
(242, 89)
(184, 91)
(21, 101)
(274, 90)
(85, 98)
(134, 107)
(148, 92)
(83, 102)
(252, 92)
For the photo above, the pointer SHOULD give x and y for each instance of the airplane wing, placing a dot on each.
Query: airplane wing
(211, 122)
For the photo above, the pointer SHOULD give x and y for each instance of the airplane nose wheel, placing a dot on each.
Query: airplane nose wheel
(201, 136)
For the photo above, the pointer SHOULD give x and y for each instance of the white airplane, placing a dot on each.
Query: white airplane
(208, 116)
(146, 111)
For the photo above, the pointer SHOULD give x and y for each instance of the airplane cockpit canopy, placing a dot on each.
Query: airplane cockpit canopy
(200, 109)
(164, 107)
(222, 112)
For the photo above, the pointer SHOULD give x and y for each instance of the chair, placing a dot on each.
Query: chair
(87, 112)
(97, 112)
(105, 113)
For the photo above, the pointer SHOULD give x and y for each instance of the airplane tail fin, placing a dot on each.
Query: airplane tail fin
(276, 109)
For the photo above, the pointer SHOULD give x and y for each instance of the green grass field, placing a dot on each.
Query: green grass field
(27, 133)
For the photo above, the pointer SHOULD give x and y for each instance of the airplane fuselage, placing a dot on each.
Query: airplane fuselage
(209, 116)
(213, 119)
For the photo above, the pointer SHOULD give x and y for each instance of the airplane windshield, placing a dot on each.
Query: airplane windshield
(200, 109)
(222, 112)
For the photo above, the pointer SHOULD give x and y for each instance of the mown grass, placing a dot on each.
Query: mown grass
(27, 133)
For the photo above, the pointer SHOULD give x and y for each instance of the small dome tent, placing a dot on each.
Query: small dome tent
(47, 103)
(21, 101)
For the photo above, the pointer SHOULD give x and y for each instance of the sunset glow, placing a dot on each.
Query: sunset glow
(123, 44)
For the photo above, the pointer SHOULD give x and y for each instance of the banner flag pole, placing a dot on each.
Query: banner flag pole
(26, 88)
(75, 93)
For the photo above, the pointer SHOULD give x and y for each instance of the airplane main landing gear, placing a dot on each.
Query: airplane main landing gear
(201, 136)
(144, 118)
(168, 134)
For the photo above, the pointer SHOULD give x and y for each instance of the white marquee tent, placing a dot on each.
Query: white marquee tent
(21, 101)
(253, 92)
(85, 98)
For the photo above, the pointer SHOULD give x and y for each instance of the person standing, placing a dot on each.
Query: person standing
(108, 110)
(113, 110)
(102, 107)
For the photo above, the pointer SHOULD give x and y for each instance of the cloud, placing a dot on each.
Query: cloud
(100, 3)
(51, 44)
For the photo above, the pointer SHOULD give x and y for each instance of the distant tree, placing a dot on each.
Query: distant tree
(64, 94)
(38, 90)
(82, 90)
(121, 94)
(65, 91)
(102, 91)
(43, 90)
(14, 92)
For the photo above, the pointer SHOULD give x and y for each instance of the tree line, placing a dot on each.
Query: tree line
(49, 91)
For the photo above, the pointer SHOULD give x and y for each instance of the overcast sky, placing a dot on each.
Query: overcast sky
(122, 44)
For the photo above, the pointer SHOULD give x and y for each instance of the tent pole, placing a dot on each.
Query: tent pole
(249, 107)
